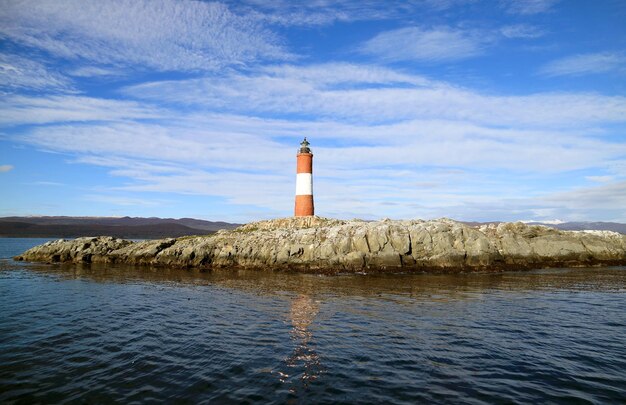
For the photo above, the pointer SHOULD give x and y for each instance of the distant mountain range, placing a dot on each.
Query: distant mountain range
(152, 228)
(122, 227)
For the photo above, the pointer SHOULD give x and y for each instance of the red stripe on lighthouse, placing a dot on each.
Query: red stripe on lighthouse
(304, 206)
(305, 163)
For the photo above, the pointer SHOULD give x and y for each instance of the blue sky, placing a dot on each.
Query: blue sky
(469, 109)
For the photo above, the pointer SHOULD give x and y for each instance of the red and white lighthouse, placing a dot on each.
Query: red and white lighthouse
(304, 181)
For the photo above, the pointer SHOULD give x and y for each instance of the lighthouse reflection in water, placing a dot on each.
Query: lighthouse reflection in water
(303, 366)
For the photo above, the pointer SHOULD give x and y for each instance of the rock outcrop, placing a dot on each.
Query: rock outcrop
(328, 245)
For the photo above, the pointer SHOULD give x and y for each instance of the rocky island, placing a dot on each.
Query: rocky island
(325, 245)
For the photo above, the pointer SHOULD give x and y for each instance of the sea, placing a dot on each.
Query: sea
(109, 334)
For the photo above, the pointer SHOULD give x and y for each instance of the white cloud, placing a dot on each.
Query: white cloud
(528, 7)
(6, 168)
(376, 96)
(324, 12)
(235, 186)
(524, 31)
(19, 73)
(159, 34)
(584, 64)
(600, 179)
(418, 44)
(16, 110)
(178, 142)
(236, 159)
(344, 74)
(415, 120)
(606, 201)
(94, 71)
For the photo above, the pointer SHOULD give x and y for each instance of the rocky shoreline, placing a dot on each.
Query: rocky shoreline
(323, 245)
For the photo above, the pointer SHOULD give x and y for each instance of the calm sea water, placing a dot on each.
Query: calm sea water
(112, 334)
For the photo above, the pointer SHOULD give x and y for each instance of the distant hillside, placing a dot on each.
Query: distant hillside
(151, 228)
(124, 227)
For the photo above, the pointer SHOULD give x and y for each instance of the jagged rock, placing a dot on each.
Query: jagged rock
(329, 245)
(80, 250)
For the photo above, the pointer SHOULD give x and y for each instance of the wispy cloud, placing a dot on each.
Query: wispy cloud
(6, 168)
(95, 71)
(419, 44)
(527, 7)
(234, 186)
(46, 183)
(217, 147)
(160, 34)
(379, 116)
(344, 74)
(223, 145)
(598, 203)
(523, 31)
(377, 97)
(230, 157)
(605, 201)
(19, 73)
(323, 12)
(16, 110)
(585, 64)
(600, 179)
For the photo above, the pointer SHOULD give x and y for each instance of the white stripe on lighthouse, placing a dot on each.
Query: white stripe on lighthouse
(304, 184)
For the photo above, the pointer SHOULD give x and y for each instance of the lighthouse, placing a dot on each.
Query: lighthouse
(304, 181)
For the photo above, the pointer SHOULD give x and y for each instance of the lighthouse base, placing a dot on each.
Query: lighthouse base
(304, 206)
